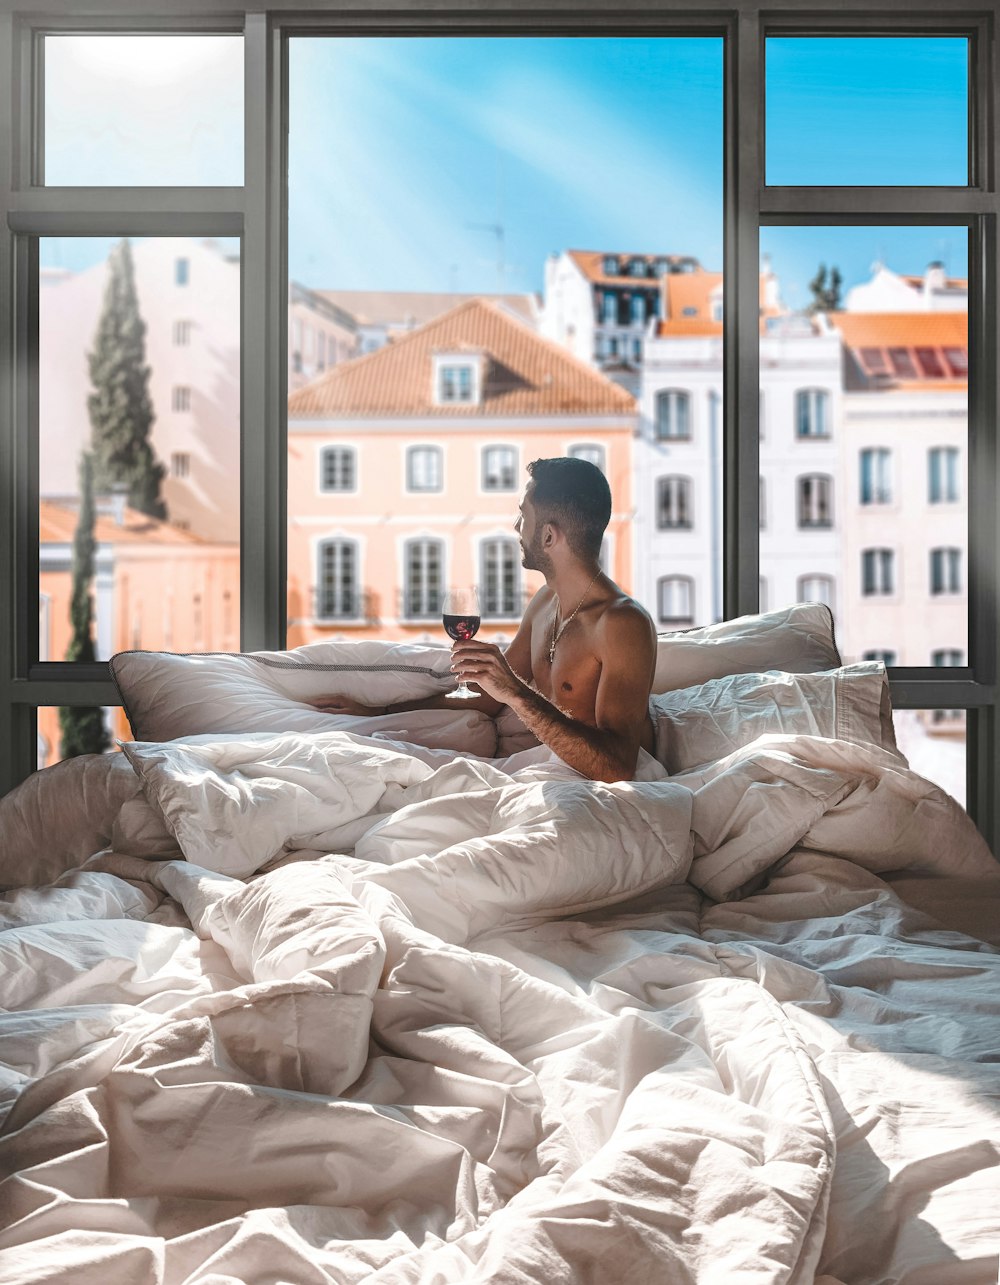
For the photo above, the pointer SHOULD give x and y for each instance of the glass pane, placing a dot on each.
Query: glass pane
(867, 110)
(934, 743)
(865, 456)
(66, 732)
(148, 549)
(553, 289)
(143, 111)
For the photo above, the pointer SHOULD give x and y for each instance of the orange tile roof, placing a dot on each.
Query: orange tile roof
(910, 331)
(950, 283)
(523, 374)
(693, 290)
(57, 525)
(591, 264)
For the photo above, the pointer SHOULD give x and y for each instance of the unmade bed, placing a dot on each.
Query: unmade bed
(411, 1002)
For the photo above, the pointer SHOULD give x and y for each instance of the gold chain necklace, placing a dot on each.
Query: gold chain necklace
(556, 635)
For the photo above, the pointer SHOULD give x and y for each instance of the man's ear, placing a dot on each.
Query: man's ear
(550, 533)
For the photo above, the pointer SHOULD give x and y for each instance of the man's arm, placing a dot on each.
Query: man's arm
(608, 751)
(517, 654)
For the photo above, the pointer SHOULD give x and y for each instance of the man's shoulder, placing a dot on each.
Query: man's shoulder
(625, 620)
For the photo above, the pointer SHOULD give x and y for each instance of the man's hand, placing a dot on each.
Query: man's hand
(344, 705)
(485, 664)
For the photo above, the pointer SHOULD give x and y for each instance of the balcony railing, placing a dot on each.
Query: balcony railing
(351, 607)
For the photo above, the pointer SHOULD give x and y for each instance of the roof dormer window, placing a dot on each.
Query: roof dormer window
(610, 265)
(637, 267)
(456, 379)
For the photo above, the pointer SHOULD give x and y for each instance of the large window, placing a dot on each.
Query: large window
(500, 577)
(675, 601)
(399, 259)
(673, 415)
(876, 475)
(812, 412)
(673, 504)
(815, 496)
(337, 593)
(499, 468)
(424, 578)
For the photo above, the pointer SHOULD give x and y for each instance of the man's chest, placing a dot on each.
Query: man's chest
(568, 673)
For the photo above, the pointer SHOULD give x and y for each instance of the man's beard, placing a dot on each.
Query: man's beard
(534, 557)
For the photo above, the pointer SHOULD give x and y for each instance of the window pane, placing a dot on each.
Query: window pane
(867, 110)
(876, 503)
(143, 111)
(156, 527)
(501, 309)
(934, 743)
(69, 731)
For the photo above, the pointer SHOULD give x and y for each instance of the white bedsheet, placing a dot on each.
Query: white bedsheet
(508, 1039)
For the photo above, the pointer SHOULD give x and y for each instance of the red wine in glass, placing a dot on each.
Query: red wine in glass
(461, 618)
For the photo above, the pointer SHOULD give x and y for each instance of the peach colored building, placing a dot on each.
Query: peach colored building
(156, 588)
(405, 468)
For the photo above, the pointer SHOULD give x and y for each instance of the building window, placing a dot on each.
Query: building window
(930, 363)
(423, 578)
(637, 267)
(609, 306)
(673, 504)
(815, 501)
(877, 572)
(181, 399)
(902, 363)
(182, 333)
(876, 478)
(455, 383)
(946, 571)
(424, 468)
(958, 362)
(673, 415)
(675, 601)
(500, 577)
(499, 468)
(590, 452)
(337, 468)
(812, 412)
(182, 272)
(883, 654)
(638, 309)
(942, 475)
(338, 597)
(180, 464)
(610, 266)
(816, 589)
(637, 351)
(948, 657)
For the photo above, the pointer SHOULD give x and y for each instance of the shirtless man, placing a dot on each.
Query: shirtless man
(580, 669)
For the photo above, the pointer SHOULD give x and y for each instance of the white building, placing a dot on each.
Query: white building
(904, 442)
(678, 458)
(599, 304)
(888, 291)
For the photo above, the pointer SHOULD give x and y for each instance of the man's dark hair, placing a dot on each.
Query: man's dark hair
(575, 495)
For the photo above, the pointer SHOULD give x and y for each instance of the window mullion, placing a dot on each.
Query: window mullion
(264, 375)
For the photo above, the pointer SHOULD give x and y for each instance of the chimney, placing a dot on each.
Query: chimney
(934, 277)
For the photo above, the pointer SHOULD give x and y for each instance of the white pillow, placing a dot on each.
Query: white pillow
(699, 725)
(167, 695)
(798, 639)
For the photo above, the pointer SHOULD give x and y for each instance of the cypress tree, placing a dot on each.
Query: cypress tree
(82, 726)
(120, 408)
(825, 295)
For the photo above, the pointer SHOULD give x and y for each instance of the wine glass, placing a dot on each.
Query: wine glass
(461, 615)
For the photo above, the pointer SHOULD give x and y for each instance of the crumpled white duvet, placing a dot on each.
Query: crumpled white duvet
(509, 1038)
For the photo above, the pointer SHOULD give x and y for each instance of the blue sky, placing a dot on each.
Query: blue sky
(405, 153)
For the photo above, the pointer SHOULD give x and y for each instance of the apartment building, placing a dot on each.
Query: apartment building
(405, 467)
